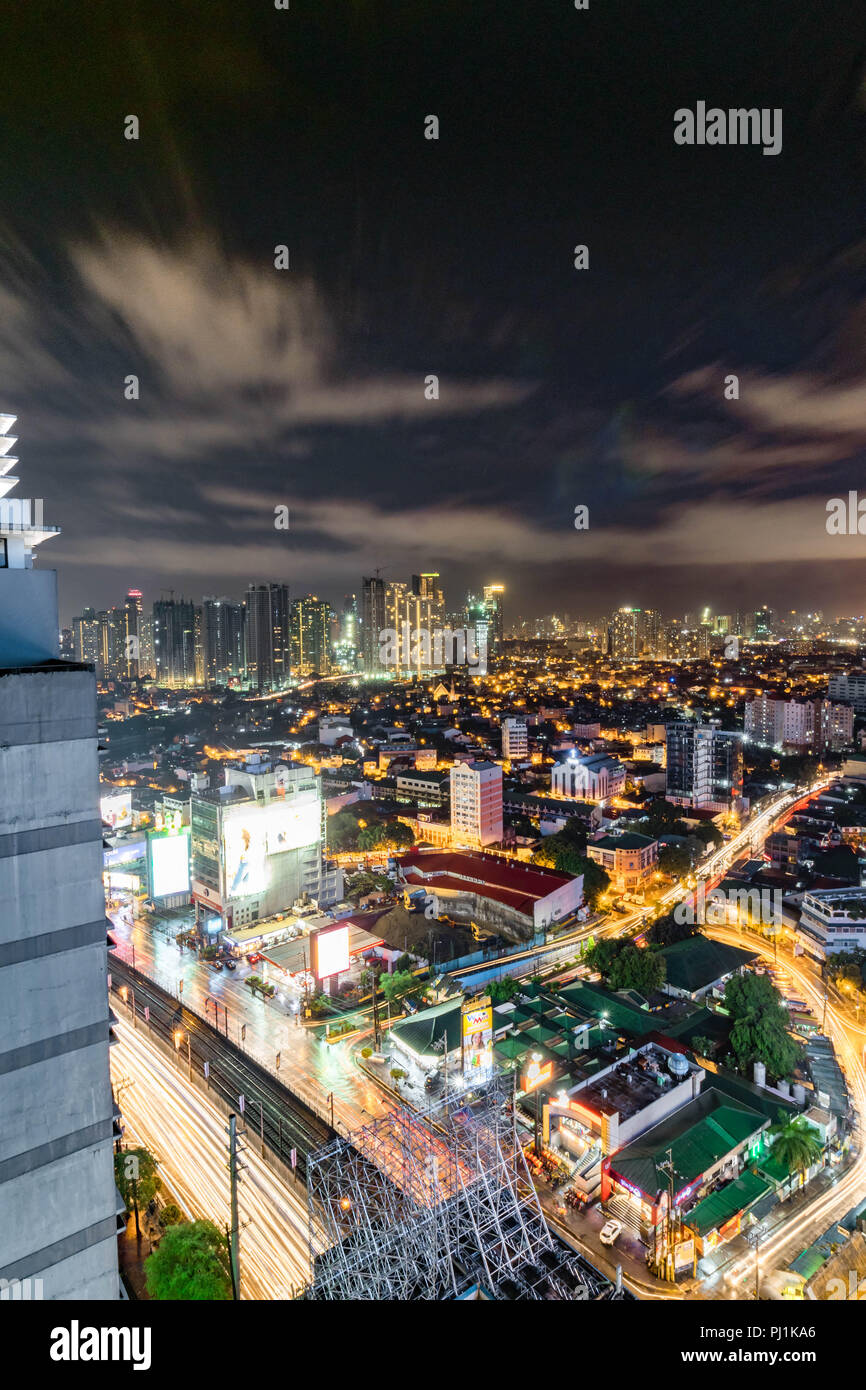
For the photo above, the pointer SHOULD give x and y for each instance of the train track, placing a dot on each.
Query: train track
(271, 1110)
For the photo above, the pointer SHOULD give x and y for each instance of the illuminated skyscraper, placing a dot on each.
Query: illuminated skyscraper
(311, 636)
(268, 639)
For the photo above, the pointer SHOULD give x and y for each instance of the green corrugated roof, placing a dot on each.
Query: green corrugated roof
(424, 1029)
(593, 1001)
(698, 1135)
(696, 962)
(721, 1206)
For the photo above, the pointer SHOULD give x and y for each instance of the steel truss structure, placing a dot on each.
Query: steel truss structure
(429, 1205)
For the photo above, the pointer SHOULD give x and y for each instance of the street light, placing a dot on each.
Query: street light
(178, 1039)
(124, 990)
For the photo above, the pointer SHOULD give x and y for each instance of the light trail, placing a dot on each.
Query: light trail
(186, 1132)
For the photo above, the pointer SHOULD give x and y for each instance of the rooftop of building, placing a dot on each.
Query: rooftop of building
(624, 840)
(698, 961)
(698, 1136)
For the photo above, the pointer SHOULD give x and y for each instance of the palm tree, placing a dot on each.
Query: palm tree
(796, 1144)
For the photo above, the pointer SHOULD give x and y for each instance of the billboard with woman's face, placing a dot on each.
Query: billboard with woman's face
(477, 1036)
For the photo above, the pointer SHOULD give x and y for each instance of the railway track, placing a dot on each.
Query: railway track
(271, 1110)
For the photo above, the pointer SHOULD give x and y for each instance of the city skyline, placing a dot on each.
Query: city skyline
(307, 388)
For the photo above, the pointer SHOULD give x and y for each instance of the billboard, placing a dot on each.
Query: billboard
(245, 851)
(292, 827)
(168, 863)
(116, 809)
(329, 952)
(476, 1033)
(251, 834)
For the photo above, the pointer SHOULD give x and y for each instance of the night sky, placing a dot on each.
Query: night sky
(411, 257)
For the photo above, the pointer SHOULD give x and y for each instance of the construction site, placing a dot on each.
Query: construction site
(438, 1205)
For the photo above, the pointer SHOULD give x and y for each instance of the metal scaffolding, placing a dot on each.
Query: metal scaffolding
(427, 1205)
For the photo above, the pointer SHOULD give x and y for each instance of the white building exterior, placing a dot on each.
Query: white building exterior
(594, 777)
(515, 741)
(476, 804)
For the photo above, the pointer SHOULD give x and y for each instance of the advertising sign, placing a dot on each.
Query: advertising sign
(329, 952)
(246, 851)
(251, 834)
(536, 1074)
(116, 809)
(477, 1039)
(684, 1254)
(168, 863)
(292, 827)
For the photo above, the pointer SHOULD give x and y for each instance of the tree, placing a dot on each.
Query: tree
(760, 1031)
(342, 832)
(171, 1215)
(703, 1046)
(708, 834)
(371, 837)
(501, 991)
(623, 965)
(633, 968)
(674, 860)
(137, 1179)
(399, 835)
(398, 1075)
(796, 1144)
(191, 1265)
(666, 930)
(398, 983)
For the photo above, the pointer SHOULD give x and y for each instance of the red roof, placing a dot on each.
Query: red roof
(517, 885)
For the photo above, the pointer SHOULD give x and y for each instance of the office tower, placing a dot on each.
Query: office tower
(111, 662)
(132, 635)
(310, 631)
(373, 620)
(58, 1201)
(268, 639)
(67, 651)
(223, 640)
(146, 658)
(704, 766)
(628, 633)
(494, 595)
(174, 642)
(515, 741)
(258, 844)
(476, 804)
(763, 624)
(85, 637)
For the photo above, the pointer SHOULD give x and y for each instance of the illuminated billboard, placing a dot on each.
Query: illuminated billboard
(168, 863)
(536, 1074)
(329, 952)
(116, 809)
(477, 1039)
(251, 834)
(292, 827)
(245, 851)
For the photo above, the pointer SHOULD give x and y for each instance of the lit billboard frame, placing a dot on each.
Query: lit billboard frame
(329, 952)
(254, 834)
(168, 863)
(115, 808)
(476, 1039)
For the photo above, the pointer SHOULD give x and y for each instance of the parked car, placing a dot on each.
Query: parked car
(609, 1232)
(254, 957)
(217, 964)
(229, 963)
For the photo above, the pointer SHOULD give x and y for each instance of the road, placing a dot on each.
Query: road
(165, 1113)
(849, 1039)
(311, 1067)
